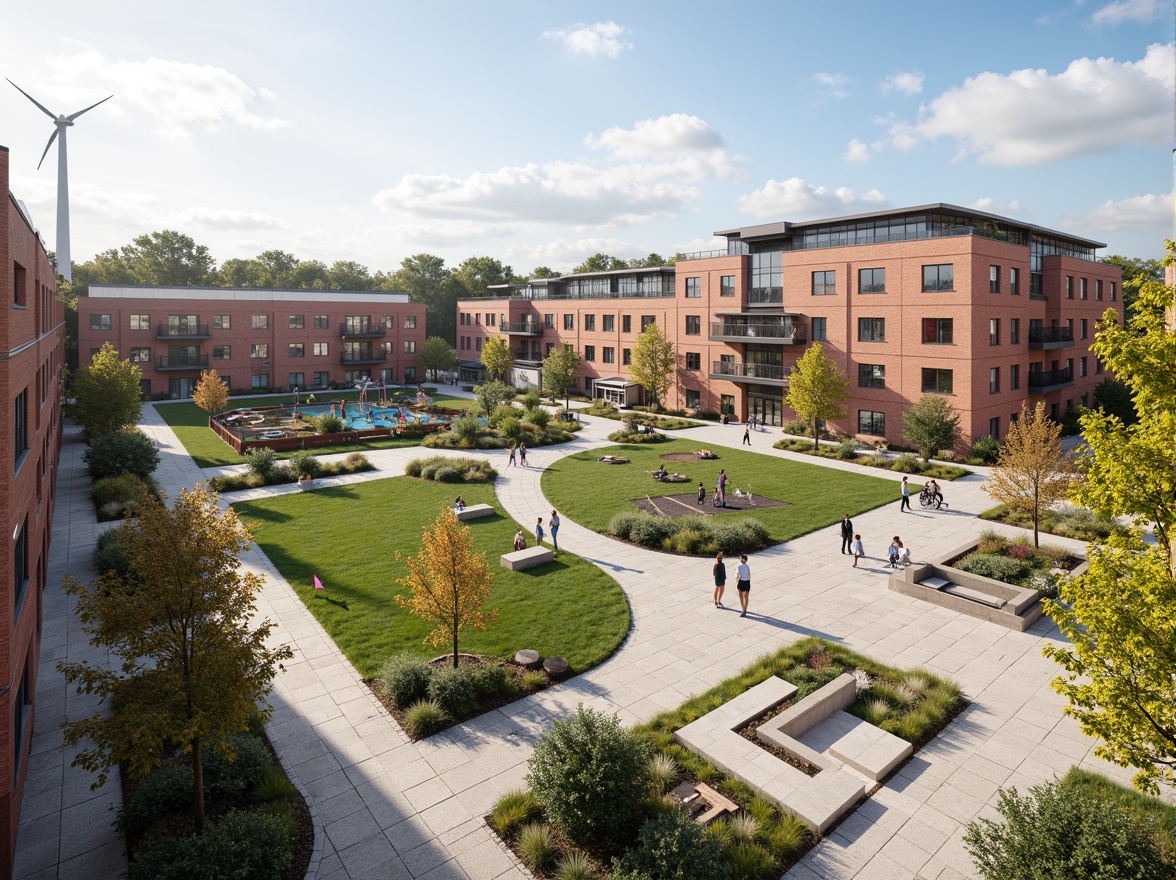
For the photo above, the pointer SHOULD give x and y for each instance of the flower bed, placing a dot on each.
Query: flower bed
(848, 450)
(299, 465)
(1018, 562)
(1065, 522)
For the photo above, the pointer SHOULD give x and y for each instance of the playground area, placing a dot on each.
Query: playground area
(675, 506)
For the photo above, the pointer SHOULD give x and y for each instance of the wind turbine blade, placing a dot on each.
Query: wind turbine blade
(47, 111)
(74, 116)
(52, 138)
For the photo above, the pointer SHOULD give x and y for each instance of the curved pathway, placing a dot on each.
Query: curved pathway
(386, 807)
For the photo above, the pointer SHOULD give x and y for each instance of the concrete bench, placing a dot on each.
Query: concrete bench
(519, 560)
(474, 511)
(974, 595)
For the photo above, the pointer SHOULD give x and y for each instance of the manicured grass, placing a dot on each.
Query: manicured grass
(591, 493)
(190, 424)
(349, 536)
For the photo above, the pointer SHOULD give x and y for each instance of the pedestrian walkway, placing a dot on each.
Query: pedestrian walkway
(387, 807)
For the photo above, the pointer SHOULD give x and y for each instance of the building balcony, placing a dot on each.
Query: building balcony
(770, 374)
(522, 328)
(785, 334)
(181, 362)
(182, 331)
(362, 330)
(363, 357)
(1042, 338)
(765, 296)
(1044, 381)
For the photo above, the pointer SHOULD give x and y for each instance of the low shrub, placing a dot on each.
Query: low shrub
(231, 779)
(513, 810)
(707, 415)
(536, 845)
(574, 865)
(908, 464)
(695, 535)
(110, 554)
(1000, 568)
(274, 786)
(328, 424)
(241, 845)
(537, 416)
(356, 462)
(788, 837)
(261, 462)
(494, 681)
(405, 679)
(673, 847)
(119, 497)
(985, 450)
(663, 772)
(637, 437)
(129, 451)
(651, 531)
(846, 450)
(452, 689)
(533, 680)
(304, 463)
(501, 412)
(166, 791)
(424, 717)
(466, 429)
(750, 861)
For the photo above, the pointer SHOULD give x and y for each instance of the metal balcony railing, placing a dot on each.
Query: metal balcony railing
(362, 330)
(363, 357)
(788, 333)
(522, 328)
(759, 296)
(1051, 336)
(181, 361)
(182, 331)
(1043, 380)
(748, 371)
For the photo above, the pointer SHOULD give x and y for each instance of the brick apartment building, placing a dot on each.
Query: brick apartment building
(936, 299)
(259, 340)
(30, 375)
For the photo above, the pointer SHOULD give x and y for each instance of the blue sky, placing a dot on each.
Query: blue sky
(542, 132)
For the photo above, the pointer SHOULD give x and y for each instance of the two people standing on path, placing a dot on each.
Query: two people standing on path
(846, 534)
(743, 582)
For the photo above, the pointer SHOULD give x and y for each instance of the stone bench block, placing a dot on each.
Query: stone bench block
(974, 595)
(474, 511)
(868, 749)
(519, 560)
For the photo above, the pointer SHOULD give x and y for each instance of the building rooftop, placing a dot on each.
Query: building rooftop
(244, 294)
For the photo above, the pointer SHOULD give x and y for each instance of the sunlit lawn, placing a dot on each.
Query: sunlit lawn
(589, 492)
(349, 536)
(190, 424)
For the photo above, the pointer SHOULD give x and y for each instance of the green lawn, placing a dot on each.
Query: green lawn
(349, 536)
(591, 493)
(190, 424)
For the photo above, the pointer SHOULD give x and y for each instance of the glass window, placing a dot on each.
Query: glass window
(1098, 367)
(410, 374)
(870, 422)
(871, 376)
(297, 380)
(1014, 281)
(1081, 288)
(1014, 377)
(871, 329)
(994, 331)
(1098, 288)
(320, 323)
(626, 356)
(937, 331)
(222, 322)
(319, 349)
(140, 322)
(994, 427)
(410, 346)
(939, 277)
(824, 283)
(590, 323)
(478, 340)
(693, 288)
(993, 380)
(608, 354)
(296, 349)
(410, 322)
(20, 425)
(767, 278)
(298, 322)
(261, 322)
(321, 379)
(1083, 327)
(1114, 293)
(819, 329)
(994, 279)
(259, 350)
(646, 320)
(693, 399)
(1081, 366)
(937, 381)
(626, 323)
(1069, 287)
(589, 352)
(140, 355)
(20, 564)
(222, 352)
(871, 280)
(693, 325)
(727, 285)
(549, 321)
(569, 322)
(99, 322)
(1014, 331)
(609, 323)
(260, 380)
(693, 360)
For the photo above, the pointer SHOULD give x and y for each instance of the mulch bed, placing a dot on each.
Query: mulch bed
(748, 732)
(675, 506)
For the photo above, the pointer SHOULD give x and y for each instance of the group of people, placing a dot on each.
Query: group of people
(851, 543)
(520, 539)
(930, 488)
(720, 496)
(519, 449)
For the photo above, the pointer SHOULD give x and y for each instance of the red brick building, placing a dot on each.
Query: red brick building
(30, 375)
(936, 299)
(259, 340)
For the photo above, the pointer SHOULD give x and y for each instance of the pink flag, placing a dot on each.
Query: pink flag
(318, 585)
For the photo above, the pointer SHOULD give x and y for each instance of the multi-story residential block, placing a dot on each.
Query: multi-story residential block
(988, 311)
(255, 339)
(30, 377)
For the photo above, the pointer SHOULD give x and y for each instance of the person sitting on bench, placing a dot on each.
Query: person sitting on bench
(459, 504)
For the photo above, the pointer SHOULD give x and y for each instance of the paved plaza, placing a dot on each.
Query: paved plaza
(385, 807)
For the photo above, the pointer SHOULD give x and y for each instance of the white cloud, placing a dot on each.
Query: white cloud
(601, 38)
(562, 252)
(180, 96)
(85, 199)
(1136, 212)
(992, 206)
(223, 218)
(908, 82)
(857, 151)
(1142, 11)
(833, 83)
(673, 135)
(1029, 117)
(797, 197)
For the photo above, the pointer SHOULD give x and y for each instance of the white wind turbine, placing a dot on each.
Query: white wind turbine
(64, 266)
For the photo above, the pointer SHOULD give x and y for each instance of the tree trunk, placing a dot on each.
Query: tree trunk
(816, 440)
(1036, 517)
(455, 641)
(198, 787)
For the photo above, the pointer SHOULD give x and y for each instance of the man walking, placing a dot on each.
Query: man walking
(846, 534)
(744, 585)
(554, 523)
(747, 435)
(906, 496)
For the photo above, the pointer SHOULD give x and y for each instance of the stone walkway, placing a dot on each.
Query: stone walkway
(386, 807)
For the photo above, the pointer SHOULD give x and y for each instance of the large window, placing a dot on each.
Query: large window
(646, 320)
(99, 322)
(321, 379)
(693, 399)
(819, 329)
(140, 322)
(693, 360)
(693, 288)
(824, 283)
(222, 352)
(410, 346)
(871, 280)
(298, 322)
(590, 323)
(767, 278)
(140, 356)
(871, 329)
(994, 279)
(320, 322)
(727, 285)
(871, 376)
(549, 321)
(319, 349)
(259, 350)
(260, 322)
(222, 322)
(693, 325)
(569, 322)
(937, 331)
(937, 381)
(870, 422)
(609, 323)
(410, 322)
(297, 350)
(260, 381)
(297, 380)
(939, 277)
(626, 356)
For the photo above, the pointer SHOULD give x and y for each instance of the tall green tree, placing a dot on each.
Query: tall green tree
(436, 355)
(543, 272)
(1136, 272)
(349, 275)
(561, 372)
(1120, 617)
(931, 425)
(425, 278)
(600, 263)
(107, 394)
(169, 257)
(497, 358)
(816, 389)
(474, 275)
(192, 670)
(654, 363)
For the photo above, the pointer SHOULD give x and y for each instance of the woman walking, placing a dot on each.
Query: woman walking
(744, 585)
(720, 573)
(510, 462)
(522, 453)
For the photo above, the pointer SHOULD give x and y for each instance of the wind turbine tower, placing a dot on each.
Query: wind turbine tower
(61, 123)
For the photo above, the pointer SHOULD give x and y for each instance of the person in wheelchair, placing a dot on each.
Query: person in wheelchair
(930, 496)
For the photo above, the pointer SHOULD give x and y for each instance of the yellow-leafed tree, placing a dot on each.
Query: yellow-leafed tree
(211, 395)
(1033, 470)
(449, 582)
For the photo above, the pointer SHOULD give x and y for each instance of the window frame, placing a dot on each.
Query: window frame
(937, 374)
(259, 322)
(694, 287)
(938, 285)
(876, 419)
(933, 331)
(871, 375)
(693, 360)
(872, 286)
(874, 324)
(827, 283)
(726, 285)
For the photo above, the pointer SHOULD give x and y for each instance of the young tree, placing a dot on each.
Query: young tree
(1120, 617)
(1033, 471)
(192, 670)
(497, 358)
(211, 395)
(931, 425)
(449, 582)
(436, 355)
(816, 389)
(655, 359)
(491, 395)
(107, 394)
(561, 371)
